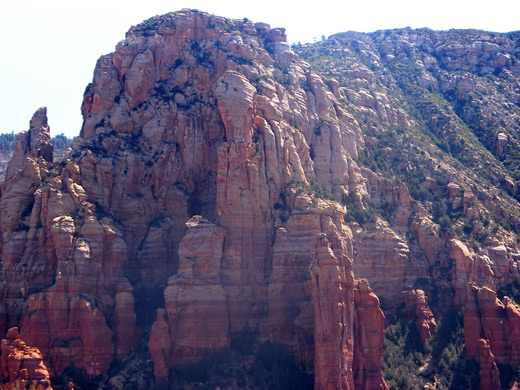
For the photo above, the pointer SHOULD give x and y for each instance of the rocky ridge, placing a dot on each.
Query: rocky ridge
(59, 142)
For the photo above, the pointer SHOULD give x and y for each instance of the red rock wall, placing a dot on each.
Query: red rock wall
(489, 375)
(196, 303)
(416, 307)
(188, 121)
(369, 333)
(491, 329)
(332, 282)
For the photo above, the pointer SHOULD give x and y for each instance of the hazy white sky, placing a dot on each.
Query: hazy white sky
(49, 48)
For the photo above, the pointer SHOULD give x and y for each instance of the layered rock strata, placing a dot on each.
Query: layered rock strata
(438, 111)
(496, 320)
(369, 327)
(194, 200)
(194, 300)
(491, 329)
(62, 263)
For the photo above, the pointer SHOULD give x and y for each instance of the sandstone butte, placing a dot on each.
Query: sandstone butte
(190, 211)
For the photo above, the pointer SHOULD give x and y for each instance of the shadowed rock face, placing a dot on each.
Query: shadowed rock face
(179, 181)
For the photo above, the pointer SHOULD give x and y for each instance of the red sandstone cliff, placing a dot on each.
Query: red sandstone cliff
(192, 175)
(416, 308)
(491, 330)
(217, 190)
(369, 326)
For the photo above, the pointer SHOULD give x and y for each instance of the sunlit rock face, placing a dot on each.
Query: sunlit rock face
(221, 190)
(205, 149)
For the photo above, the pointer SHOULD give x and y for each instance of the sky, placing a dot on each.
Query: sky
(49, 48)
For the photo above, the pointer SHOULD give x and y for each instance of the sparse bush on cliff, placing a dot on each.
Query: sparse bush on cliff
(148, 28)
(311, 188)
(360, 215)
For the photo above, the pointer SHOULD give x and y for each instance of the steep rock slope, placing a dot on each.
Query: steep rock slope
(439, 115)
(194, 198)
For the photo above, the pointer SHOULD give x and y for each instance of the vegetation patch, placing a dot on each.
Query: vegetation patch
(403, 357)
(148, 28)
(311, 188)
(440, 362)
(360, 215)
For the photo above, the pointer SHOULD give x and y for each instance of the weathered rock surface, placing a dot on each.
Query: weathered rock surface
(193, 130)
(416, 307)
(62, 265)
(460, 222)
(491, 329)
(489, 375)
(34, 143)
(382, 256)
(193, 203)
(60, 143)
(20, 363)
(159, 345)
(333, 318)
(369, 327)
(196, 293)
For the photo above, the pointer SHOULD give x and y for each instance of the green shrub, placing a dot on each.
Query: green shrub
(445, 223)
(311, 188)
(403, 355)
(361, 216)
(449, 364)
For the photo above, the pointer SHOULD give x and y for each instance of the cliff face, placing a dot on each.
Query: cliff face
(198, 174)
(221, 190)
(423, 100)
